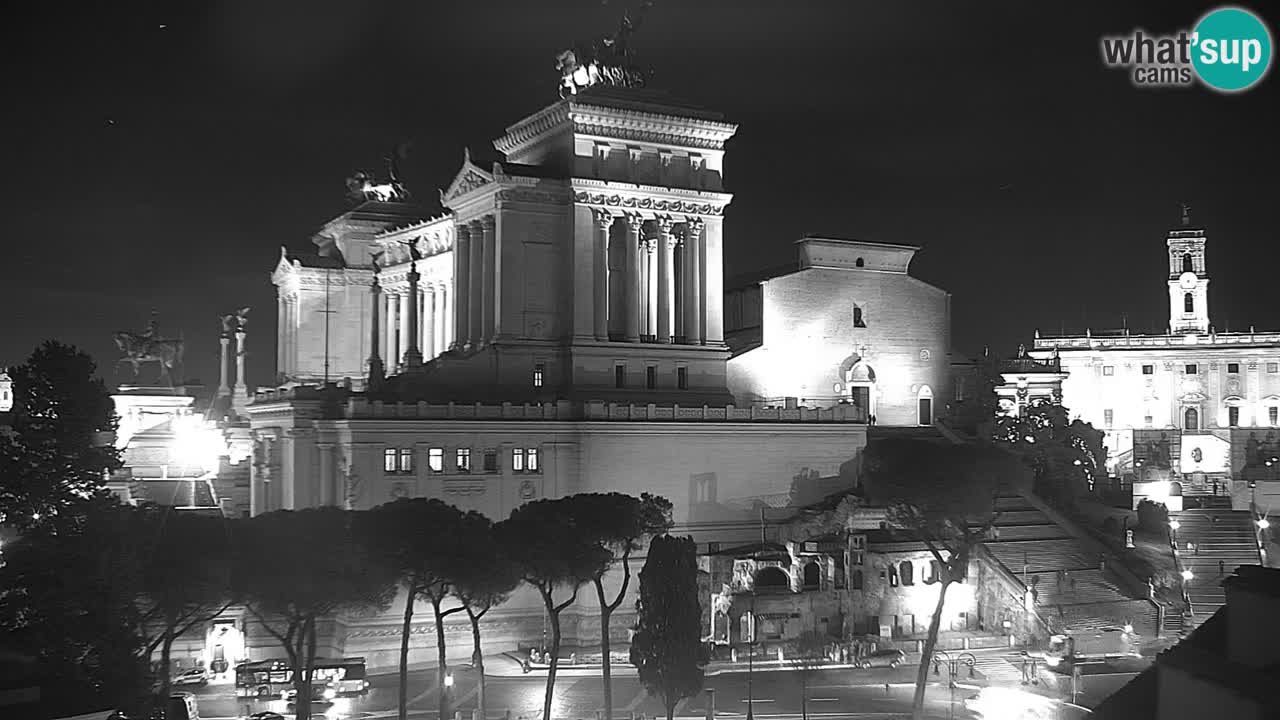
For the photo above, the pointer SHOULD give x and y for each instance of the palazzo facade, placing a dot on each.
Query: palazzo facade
(1191, 412)
(561, 329)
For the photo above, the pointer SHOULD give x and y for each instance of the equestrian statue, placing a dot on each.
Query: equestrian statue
(147, 346)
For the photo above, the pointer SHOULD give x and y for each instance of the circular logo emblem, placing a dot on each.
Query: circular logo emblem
(1231, 49)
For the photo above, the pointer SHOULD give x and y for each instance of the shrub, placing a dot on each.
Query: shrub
(1153, 517)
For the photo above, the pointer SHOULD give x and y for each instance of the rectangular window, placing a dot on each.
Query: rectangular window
(1233, 416)
(619, 376)
(406, 460)
(1108, 369)
(435, 459)
(1107, 417)
(531, 460)
(1148, 369)
(1146, 420)
(1233, 368)
(517, 460)
(491, 461)
(1192, 369)
(537, 374)
(682, 378)
(1273, 367)
(650, 377)
(389, 460)
(1273, 415)
(464, 459)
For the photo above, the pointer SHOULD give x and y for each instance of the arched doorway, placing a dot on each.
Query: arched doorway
(812, 576)
(1191, 419)
(772, 578)
(860, 378)
(924, 405)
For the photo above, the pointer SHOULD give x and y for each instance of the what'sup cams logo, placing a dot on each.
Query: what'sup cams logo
(1228, 51)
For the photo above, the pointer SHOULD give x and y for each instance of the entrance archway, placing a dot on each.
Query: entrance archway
(1191, 419)
(924, 406)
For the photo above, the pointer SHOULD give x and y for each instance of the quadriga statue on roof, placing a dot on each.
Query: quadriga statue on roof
(606, 61)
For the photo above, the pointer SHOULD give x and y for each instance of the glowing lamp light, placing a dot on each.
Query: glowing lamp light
(6, 392)
(1128, 628)
(1052, 661)
(1174, 524)
(1187, 575)
(1263, 524)
(330, 693)
(448, 680)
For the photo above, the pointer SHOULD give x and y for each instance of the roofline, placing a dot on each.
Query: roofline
(852, 241)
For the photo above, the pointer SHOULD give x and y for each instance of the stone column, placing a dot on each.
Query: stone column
(376, 371)
(412, 354)
(713, 283)
(633, 298)
(693, 281)
(444, 327)
(282, 322)
(224, 361)
(429, 344)
(651, 285)
(242, 390)
(489, 296)
(604, 221)
(402, 342)
(459, 333)
(393, 325)
(475, 305)
(666, 285)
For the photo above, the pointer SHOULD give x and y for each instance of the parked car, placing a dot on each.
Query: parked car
(195, 676)
(265, 715)
(882, 658)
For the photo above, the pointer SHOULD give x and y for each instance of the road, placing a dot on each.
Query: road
(831, 694)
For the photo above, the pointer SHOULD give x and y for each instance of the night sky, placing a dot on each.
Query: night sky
(158, 157)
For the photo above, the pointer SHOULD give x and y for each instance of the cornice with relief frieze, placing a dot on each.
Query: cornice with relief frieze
(533, 128)
(651, 127)
(645, 198)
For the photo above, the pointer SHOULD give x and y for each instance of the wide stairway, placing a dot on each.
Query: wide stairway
(1033, 547)
(1223, 539)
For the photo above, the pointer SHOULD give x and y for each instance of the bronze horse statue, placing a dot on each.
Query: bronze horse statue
(138, 348)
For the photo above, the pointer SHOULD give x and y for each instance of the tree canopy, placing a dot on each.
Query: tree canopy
(1066, 456)
(667, 649)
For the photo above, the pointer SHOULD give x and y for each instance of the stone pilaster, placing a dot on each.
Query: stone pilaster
(489, 295)
(634, 299)
(475, 305)
(462, 287)
(693, 281)
(603, 222)
(666, 287)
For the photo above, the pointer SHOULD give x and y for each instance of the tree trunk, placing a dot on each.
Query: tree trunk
(606, 670)
(804, 694)
(931, 640)
(554, 618)
(404, 652)
(166, 677)
(440, 656)
(671, 709)
(477, 659)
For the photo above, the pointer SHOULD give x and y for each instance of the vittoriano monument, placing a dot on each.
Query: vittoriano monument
(138, 348)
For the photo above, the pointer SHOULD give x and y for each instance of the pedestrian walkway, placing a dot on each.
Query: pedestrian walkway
(1222, 540)
(1000, 668)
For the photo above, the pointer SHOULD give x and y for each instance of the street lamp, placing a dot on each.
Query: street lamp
(953, 668)
(1187, 575)
(1263, 523)
(751, 656)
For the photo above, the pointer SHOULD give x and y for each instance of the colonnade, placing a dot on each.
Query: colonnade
(663, 276)
(435, 332)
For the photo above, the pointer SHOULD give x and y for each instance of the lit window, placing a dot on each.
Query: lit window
(1107, 417)
(435, 459)
(1233, 368)
(1233, 416)
(1146, 420)
(389, 460)
(517, 460)
(1148, 369)
(491, 461)
(1192, 369)
(1273, 415)
(651, 377)
(1108, 369)
(537, 374)
(893, 577)
(682, 378)
(531, 460)
(620, 376)
(406, 460)
(464, 459)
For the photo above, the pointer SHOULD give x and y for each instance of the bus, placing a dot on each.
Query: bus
(274, 678)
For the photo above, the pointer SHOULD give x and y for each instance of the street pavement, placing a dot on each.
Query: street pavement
(879, 693)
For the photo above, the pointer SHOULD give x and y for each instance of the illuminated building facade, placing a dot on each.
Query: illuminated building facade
(1192, 412)
(560, 329)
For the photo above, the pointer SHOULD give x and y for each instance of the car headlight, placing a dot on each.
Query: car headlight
(1052, 661)
(330, 693)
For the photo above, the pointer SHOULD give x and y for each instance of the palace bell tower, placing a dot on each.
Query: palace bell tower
(1188, 279)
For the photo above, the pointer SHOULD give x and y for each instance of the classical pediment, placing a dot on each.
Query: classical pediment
(284, 267)
(469, 178)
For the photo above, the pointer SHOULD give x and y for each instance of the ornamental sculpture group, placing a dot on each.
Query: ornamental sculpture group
(138, 348)
(605, 61)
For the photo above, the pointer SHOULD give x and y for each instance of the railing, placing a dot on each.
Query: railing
(1091, 341)
(361, 408)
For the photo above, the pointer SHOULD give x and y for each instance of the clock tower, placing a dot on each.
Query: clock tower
(1188, 279)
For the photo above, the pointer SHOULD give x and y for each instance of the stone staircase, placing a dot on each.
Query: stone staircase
(1224, 539)
(1033, 547)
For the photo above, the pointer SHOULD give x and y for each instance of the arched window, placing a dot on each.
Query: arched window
(812, 575)
(893, 576)
(906, 572)
(857, 580)
(1187, 264)
(1188, 303)
(933, 573)
(772, 578)
(1191, 419)
(858, 320)
(858, 263)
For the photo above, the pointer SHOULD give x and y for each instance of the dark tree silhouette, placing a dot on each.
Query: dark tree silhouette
(667, 649)
(422, 540)
(619, 523)
(485, 578)
(1067, 456)
(56, 444)
(320, 563)
(944, 495)
(553, 550)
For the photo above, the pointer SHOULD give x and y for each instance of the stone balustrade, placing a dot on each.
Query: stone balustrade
(1141, 341)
